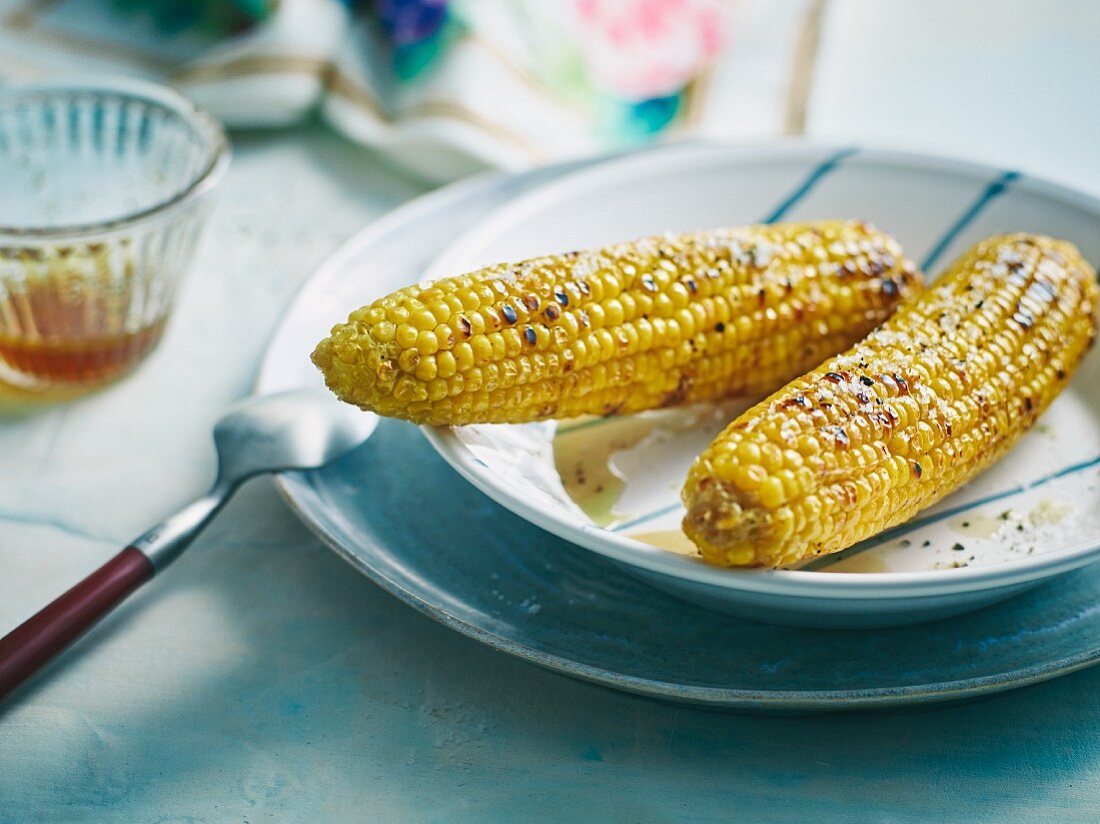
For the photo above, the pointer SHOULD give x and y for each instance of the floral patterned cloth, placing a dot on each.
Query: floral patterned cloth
(445, 86)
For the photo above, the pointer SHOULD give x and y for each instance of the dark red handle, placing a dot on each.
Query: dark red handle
(38, 639)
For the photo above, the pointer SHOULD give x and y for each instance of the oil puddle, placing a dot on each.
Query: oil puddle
(1048, 513)
(647, 454)
(584, 458)
(673, 540)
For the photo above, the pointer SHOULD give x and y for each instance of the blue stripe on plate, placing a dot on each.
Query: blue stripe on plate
(577, 427)
(992, 192)
(910, 526)
(902, 529)
(808, 184)
(641, 519)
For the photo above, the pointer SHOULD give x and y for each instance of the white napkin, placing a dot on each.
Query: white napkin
(447, 88)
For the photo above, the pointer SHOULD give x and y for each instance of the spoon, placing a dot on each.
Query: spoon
(300, 429)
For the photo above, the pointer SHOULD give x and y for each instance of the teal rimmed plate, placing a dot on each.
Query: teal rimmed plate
(397, 513)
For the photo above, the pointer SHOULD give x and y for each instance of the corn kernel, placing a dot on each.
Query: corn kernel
(749, 476)
(423, 320)
(427, 343)
(409, 360)
(771, 492)
(426, 369)
(406, 335)
(447, 364)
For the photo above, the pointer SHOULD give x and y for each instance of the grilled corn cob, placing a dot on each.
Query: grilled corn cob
(630, 327)
(925, 402)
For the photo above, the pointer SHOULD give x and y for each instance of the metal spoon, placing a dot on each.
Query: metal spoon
(303, 429)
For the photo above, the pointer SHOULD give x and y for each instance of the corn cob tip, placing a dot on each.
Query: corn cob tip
(341, 357)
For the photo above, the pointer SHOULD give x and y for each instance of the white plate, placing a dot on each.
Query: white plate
(1035, 515)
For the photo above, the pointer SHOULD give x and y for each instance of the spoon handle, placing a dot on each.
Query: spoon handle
(38, 639)
(46, 633)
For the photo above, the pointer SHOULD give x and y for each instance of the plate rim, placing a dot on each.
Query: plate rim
(725, 697)
(718, 697)
(787, 583)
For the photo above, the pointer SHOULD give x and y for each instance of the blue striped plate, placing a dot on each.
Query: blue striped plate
(1035, 515)
(396, 513)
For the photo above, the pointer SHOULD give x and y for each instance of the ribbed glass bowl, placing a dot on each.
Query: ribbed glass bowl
(104, 189)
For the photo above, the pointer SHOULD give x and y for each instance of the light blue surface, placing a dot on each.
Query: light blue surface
(262, 679)
(327, 698)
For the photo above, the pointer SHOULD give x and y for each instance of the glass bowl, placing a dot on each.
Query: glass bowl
(104, 190)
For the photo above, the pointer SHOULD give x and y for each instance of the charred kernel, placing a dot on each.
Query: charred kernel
(464, 326)
(562, 296)
(866, 381)
(509, 313)
(918, 470)
(834, 377)
(532, 302)
(903, 387)
(551, 312)
(719, 327)
(529, 333)
(797, 400)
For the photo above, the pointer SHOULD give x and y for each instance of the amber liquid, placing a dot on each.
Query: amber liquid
(78, 361)
(63, 338)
